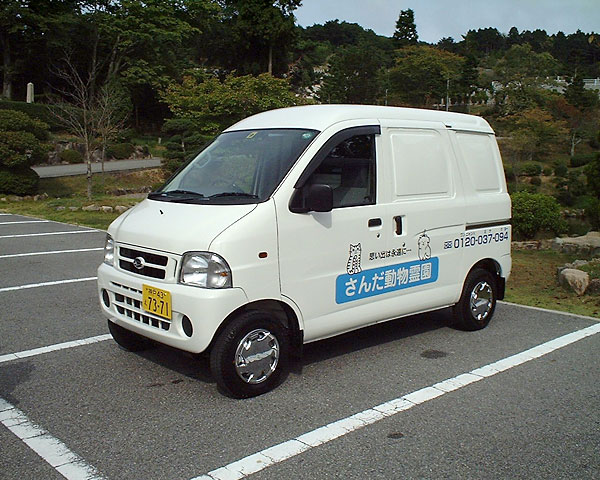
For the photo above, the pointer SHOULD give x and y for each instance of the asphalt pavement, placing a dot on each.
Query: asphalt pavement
(411, 398)
(46, 171)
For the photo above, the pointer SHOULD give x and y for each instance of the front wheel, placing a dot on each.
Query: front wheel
(250, 356)
(477, 302)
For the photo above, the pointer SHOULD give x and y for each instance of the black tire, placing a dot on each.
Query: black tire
(251, 331)
(477, 302)
(127, 339)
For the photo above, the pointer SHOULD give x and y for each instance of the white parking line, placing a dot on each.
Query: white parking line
(51, 449)
(278, 453)
(24, 221)
(52, 252)
(47, 284)
(9, 357)
(49, 233)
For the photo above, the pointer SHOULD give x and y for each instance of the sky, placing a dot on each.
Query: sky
(436, 19)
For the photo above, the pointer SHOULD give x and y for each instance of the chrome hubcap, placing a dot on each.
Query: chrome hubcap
(257, 356)
(481, 302)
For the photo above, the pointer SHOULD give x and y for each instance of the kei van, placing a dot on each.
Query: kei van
(302, 223)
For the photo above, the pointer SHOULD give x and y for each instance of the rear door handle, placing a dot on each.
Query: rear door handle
(374, 222)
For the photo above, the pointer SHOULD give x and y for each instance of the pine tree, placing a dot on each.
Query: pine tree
(406, 30)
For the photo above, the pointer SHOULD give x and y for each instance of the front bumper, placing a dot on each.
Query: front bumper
(206, 308)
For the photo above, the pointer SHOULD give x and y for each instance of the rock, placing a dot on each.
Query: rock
(577, 280)
(91, 208)
(36, 198)
(121, 208)
(43, 196)
(15, 198)
(73, 209)
(594, 287)
(107, 209)
(60, 209)
(28, 197)
(3, 199)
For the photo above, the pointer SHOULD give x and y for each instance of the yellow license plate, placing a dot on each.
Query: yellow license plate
(156, 301)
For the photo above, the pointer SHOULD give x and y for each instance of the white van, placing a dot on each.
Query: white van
(302, 223)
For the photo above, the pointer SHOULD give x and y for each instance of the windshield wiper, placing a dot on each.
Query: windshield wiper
(176, 195)
(234, 194)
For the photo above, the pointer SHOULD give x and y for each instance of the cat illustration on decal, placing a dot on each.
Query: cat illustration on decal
(354, 261)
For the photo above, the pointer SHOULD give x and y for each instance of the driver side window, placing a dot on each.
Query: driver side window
(349, 169)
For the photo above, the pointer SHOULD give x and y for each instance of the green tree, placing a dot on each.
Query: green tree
(406, 29)
(215, 105)
(352, 76)
(421, 73)
(259, 33)
(522, 74)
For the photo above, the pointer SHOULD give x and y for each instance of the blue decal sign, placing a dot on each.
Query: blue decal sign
(375, 281)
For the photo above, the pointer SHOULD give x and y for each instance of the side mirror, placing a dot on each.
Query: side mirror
(318, 198)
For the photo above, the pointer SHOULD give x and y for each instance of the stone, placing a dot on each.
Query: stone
(594, 287)
(577, 280)
(107, 209)
(15, 198)
(121, 208)
(3, 199)
(36, 198)
(91, 208)
(28, 197)
(73, 209)
(60, 209)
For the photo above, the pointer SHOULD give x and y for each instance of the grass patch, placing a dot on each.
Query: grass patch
(533, 282)
(71, 193)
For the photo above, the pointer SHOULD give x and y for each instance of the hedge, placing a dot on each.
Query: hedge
(35, 110)
(120, 151)
(70, 156)
(19, 181)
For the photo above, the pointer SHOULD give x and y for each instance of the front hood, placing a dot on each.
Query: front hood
(175, 227)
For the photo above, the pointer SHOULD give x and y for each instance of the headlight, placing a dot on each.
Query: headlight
(109, 251)
(205, 269)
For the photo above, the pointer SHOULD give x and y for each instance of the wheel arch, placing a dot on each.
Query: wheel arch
(283, 312)
(495, 269)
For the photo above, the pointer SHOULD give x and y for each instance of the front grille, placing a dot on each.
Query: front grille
(152, 264)
(132, 308)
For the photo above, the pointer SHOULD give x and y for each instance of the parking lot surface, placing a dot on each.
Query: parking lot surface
(411, 398)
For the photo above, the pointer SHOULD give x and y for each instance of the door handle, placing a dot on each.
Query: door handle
(374, 222)
(398, 221)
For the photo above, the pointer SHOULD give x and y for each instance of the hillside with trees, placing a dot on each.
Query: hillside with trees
(109, 70)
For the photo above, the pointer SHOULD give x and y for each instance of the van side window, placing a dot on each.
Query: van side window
(349, 169)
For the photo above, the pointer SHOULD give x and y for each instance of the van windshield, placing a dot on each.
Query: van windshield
(237, 167)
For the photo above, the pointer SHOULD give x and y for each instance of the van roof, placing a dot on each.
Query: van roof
(319, 117)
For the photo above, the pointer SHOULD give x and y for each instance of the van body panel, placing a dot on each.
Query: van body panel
(250, 247)
(176, 227)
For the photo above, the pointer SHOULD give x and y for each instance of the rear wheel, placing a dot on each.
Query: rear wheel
(250, 356)
(127, 339)
(477, 302)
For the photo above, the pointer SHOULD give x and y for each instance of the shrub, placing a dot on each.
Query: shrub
(531, 169)
(18, 181)
(560, 169)
(13, 121)
(582, 159)
(509, 173)
(592, 213)
(70, 156)
(120, 151)
(533, 212)
(592, 174)
(20, 149)
(537, 181)
(547, 171)
(37, 111)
